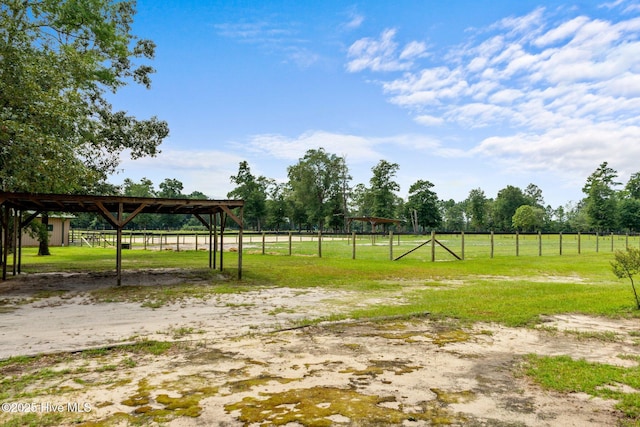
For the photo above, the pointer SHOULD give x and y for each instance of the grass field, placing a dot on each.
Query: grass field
(511, 290)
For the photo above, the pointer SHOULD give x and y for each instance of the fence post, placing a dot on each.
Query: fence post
(263, 242)
(612, 241)
(390, 245)
(320, 243)
(491, 243)
(517, 243)
(353, 242)
(433, 245)
(560, 242)
(539, 243)
(290, 237)
(597, 241)
(462, 245)
(579, 243)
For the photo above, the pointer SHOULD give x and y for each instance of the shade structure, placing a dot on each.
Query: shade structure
(117, 211)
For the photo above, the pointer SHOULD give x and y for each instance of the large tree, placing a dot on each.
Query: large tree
(144, 188)
(453, 215)
(633, 186)
(253, 190)
(422, 206)
(477, 206)
(318, 182)
(528, 218)
(59, 58)
(601, 202)
(508, 200)
(383, 189)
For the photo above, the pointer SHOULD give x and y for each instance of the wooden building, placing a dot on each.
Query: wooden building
(59, 226)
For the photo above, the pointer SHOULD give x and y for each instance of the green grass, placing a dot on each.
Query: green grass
(564, 374)
(507, 289)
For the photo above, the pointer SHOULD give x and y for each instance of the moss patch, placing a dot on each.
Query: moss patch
(320, 406)
(378, 367)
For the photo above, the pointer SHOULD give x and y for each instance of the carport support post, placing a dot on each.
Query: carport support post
(390, 245)
(215, 239)
(211, 225)
(16, 225)
(5, 243)
(19, 236)
(119, 244)
(223, 220)
(240, 238)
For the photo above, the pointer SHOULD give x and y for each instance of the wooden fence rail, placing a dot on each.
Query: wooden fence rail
(437, 246)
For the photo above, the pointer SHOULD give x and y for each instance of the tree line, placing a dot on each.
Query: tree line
(320, 196)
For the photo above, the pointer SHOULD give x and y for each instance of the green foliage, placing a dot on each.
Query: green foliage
(423, 204)
(629, 211)
(601, 203)
(528, 218)
(253, 190)
(57, 131)
(509, 199)
(627, 264)
(477, 209)
(318, 183)
(383, 188)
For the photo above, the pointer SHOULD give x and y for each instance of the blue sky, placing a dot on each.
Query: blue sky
(465, 94)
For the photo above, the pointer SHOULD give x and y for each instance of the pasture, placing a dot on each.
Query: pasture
(524, 339)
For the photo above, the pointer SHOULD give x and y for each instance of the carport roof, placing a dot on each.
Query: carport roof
(102, 204)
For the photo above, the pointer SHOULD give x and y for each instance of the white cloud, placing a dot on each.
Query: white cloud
(272, 37)
(428, 120)
(562, 32)
(382, 54)
(355, 21)
(355, 148)
(558, 95)
(413, 49)
(207, 171)
(505, 96)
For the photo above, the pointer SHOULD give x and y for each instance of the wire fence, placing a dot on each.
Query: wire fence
(431, 247)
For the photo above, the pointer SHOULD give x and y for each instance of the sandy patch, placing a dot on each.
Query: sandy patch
(243, 366)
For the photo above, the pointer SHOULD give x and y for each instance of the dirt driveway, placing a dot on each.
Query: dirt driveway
(237, 361)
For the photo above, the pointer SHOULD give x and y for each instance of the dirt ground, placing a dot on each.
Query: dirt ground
(240, 361)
